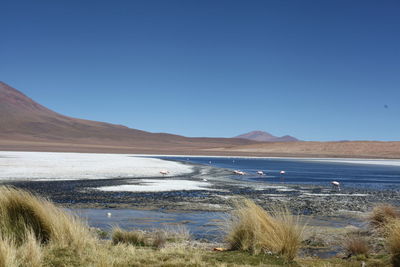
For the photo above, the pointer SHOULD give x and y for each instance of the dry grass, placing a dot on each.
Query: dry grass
(29, 225)
(135, 238)
(253, 229)
(393, 240)
(383, 214)
(33, 232)
(154, 238)
(8, 253)
(23, 214)
(355, 244)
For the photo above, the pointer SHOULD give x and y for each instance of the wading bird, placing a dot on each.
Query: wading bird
(164, 172)
(282, 177)
(335, 185)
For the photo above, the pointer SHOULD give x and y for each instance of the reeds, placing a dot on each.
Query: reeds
(251, 228)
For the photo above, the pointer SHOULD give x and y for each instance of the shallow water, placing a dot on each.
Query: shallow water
(302, 171)
(202, 225)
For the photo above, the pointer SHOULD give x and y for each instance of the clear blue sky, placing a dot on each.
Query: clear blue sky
(318, 70)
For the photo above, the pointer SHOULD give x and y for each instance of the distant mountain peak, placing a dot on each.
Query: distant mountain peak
(262, 136)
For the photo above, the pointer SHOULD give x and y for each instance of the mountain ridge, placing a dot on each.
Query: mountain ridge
(21, 118)
(262, 136)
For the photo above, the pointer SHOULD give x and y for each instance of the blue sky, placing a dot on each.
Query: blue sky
(318, 70)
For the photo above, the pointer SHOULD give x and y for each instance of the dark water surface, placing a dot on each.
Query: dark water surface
(301, 171)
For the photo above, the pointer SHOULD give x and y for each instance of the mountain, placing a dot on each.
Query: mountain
(262, 136)
(28, 126)
(23, 120)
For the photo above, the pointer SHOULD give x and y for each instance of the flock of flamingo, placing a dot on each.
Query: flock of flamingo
(335, 184)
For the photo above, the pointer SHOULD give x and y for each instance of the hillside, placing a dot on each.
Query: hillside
(262, 136)
(350, 149)
(28, 126)
(25, 121)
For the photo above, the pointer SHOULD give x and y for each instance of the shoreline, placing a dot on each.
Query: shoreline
(300, 199)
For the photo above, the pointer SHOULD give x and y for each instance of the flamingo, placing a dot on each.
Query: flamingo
(282, 177)
(260, 173)
(336, 185)
(164, 172)
(239, 172)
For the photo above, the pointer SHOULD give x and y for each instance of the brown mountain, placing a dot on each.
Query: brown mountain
(23, 121)
(28, 126)
(262, 136)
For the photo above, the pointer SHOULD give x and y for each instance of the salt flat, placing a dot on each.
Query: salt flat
(74, 166)
(158, 185)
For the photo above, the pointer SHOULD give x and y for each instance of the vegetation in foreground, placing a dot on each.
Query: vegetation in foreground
(253, 229)
(34, 232)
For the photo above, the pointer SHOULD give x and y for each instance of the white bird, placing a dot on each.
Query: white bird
(336, 184)
(205, 180)
(108, 214)
(164, 172)
(282, 172)
(260, 173)
(239, 172)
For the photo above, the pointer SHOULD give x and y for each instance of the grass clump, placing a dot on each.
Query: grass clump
(383, 214)
(135, 238)
(29, 225)
(393, 241)
(157, 238)
(355, 244)
(251, 228)
(23, 214)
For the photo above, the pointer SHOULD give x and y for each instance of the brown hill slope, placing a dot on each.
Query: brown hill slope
(362, 149)
(24, 120)
(28, 126)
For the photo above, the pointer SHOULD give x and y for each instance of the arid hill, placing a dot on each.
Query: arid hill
(349, 149)
(28, 126)
(23, 121)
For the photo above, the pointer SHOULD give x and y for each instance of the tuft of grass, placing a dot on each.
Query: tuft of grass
(383, 214)
(154, 238)
(8, 253)
(251, 228)
(23, 214)
(30, 252)
(135, 238)
(355, 244)
(393, 241)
